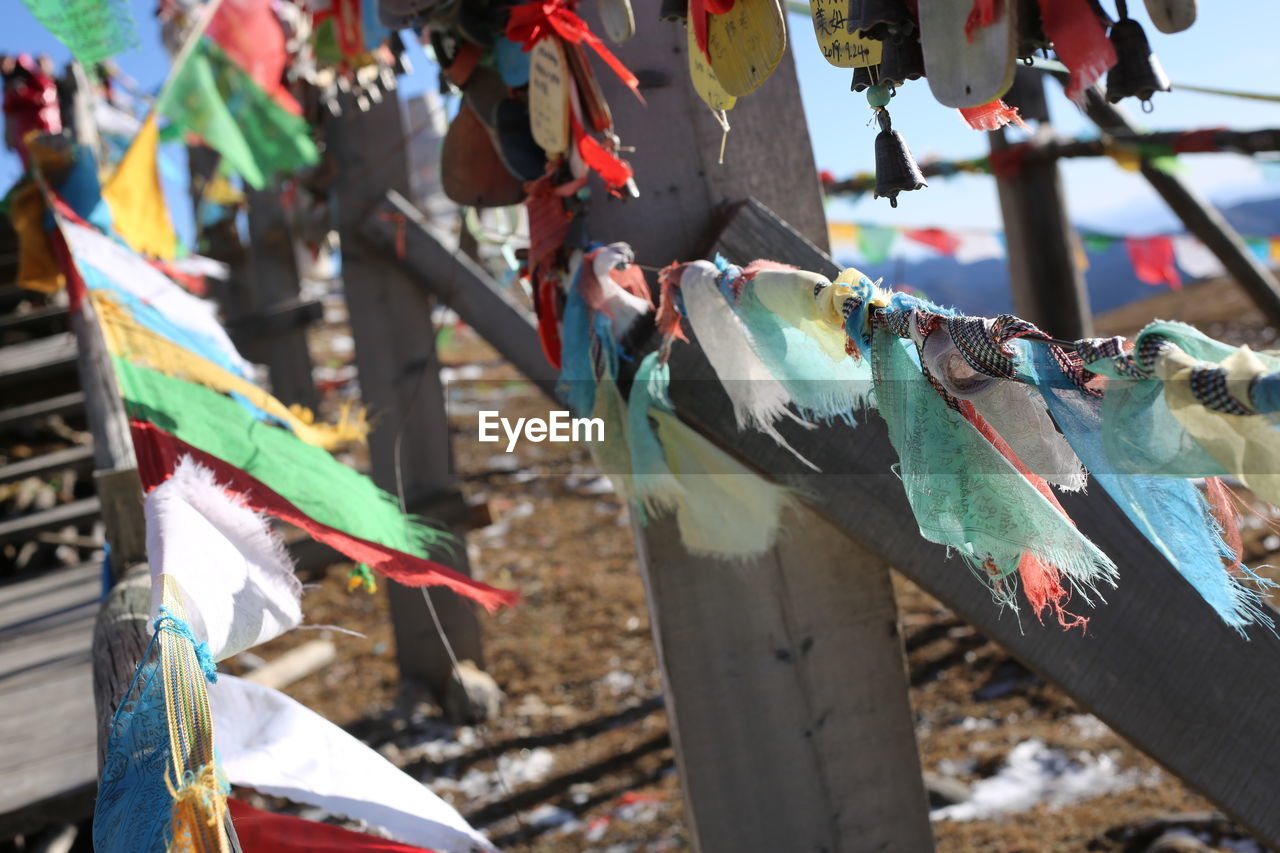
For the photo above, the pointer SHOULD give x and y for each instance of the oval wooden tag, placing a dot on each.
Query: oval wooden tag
(618, 20)
(704, 79)
(1172, 16)
(746, 43)
(965, 73)
(841, 47)
(549, 96)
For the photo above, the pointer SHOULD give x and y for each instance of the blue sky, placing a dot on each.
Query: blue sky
(1230, 46)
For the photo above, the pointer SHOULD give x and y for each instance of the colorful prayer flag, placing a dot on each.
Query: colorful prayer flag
(875, 242)
(139, 213)
(1153, 260)
(214, 98)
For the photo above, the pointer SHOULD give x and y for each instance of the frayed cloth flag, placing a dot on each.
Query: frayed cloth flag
(93, 30)
(233, 572)
(759, 400)
(722, 509)
(965, 494)
(1170, 512)
(654, 489)
(1243, 444)
(1080, 40)
(1014, 411)
(798, 348)
(344, 500)
(120, 269)
(614, 285)
(269, 742)
(128, 339)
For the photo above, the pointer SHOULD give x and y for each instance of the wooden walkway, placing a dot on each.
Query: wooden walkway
(48, 733)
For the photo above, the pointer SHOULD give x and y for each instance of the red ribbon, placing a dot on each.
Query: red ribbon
(532, 22)
(614, 171)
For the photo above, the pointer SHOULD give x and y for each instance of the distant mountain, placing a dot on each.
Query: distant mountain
(983, 287)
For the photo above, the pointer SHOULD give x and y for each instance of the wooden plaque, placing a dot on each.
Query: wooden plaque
(704, 79)
(965, 73)
(549, 96)
(842, 48)
(746, 43)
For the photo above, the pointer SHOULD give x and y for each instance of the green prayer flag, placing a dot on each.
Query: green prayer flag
(212, 97)
(874, 243)
(303, 474)
(94, 30)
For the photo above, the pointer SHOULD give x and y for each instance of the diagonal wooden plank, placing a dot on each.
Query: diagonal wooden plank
(461, 284)
(1157, 664)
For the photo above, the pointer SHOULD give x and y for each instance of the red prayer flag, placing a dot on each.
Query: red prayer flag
(1153, 260)
(267, 832)
(935, 238)
(251, 36)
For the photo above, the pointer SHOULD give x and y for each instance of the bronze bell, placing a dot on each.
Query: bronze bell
(896, 170)
(883, 20)
(864, 78)
(901, 61)
(1137, 72)
(673, 10)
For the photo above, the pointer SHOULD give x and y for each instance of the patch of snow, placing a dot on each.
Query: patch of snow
(1089, 726)
(619, 682)
(1034, 773)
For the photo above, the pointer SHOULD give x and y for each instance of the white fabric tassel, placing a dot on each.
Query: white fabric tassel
(235, 576)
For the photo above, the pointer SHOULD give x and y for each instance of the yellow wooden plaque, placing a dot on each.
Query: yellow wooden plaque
(842, 47)
(704, 79)
(746, 43)
(549, 96)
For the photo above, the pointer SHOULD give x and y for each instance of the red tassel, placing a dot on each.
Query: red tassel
(1080, 41)
(992, 115)
(1041, 582)
(547, 306)
(667, 318)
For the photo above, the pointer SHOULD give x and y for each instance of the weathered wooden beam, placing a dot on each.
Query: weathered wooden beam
(797, 658)
(763, 734)
(1199, 216)
(462, 284)
(282, 317)
(399, 372)
(1157, 664)
(270, 281)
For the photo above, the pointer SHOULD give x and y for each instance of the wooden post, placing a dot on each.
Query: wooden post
(784, 674)
(400, 383)
(1200, 217)
(271, 281)
(1048, 286)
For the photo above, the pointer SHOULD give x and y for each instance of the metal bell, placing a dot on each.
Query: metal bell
(864, 78)
(1137, 72)
(673, 10)
(883, 20)
(896, 170)
(901, 61)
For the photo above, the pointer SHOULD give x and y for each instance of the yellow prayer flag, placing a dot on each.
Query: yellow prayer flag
(138, 210)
